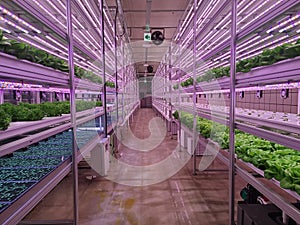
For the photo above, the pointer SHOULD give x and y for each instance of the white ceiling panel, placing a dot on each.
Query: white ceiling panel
(164, 16)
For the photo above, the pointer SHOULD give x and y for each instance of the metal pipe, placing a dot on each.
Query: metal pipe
(103, 65)
(116, 77)
(179, 89)
(194, 140)
(73, 111)
(123, 78)
(232, 113)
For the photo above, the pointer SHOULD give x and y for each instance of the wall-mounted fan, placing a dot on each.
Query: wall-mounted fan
(284, 93)
(259, 94)
(157, 37)
(150, 69)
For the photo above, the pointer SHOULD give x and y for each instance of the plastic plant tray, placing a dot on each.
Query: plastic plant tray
(10, 191)
(17, 161)
(26, 174)
(44, 153)
(3, 206)
(28, 166)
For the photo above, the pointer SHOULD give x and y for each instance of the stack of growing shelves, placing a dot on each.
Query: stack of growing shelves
(34, 50)
(267, 60)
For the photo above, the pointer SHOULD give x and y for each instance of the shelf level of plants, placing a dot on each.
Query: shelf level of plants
(13, 69)
(39, 116)
(26, 167)
(280, 72)
(36, 137)
(277, 161)
(256, 127)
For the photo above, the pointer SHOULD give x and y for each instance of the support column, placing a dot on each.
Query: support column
(1, 96)
(37, 97)
(194, 87)
(73, 111)
(51, 96)
(232, 113)
(116, 79)
(103, 67)
(298, 111)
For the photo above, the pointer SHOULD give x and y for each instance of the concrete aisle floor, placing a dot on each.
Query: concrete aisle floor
(183, 199)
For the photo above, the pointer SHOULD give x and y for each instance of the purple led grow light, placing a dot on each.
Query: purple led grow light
(40, 47)
(206, 12)
(290, 26)
(78, 23)
(82, 63)
(88, 15)
(49, 13)
(13, 25)
(264, 12)
(256, 43)
(284, 23)
(57, 9)
(181, 31)
(264, 46)
(6, 84)
(56, 42)
(49, 45)
(186, 23)
(5, 11)
(4, 29)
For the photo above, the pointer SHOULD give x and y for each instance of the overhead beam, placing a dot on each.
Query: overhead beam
(143, 27)
(153, 10)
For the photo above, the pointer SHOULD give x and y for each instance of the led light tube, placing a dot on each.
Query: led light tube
(6, 30)
(184, 22)
(265, 45)
(204, 16)
(264, 12)
(256, 43)
(239, 48)
(294, 39)
(256, 9)
(88, 33)
(108, 20)
(14, 25)
(87, 14)
(56, 42)
(217, 39)
(62, 5)
(284, 23)
(222, 20)
(92, 11)
(188, 37)
(42, 48)
(84, 36)
(57, 9)
(49, 45)
(249, 42)
(63, 47)
(217, 44)
(290, 26)
(5, 11)
(49, 13)
(184, 28)
(63, 15)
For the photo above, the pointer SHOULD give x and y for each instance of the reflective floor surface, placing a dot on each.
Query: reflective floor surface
(157, 186)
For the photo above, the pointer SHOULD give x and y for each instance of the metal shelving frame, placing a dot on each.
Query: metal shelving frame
(13, 69)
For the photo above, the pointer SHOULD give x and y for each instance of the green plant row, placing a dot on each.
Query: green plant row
(110, 84)
(276, 160)
(32, 54)
(176, 86)
(267, 57)
(31, 112)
